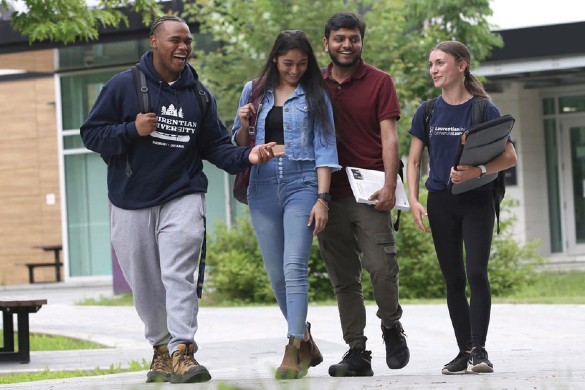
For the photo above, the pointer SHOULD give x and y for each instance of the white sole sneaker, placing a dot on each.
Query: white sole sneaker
(481, 368)
(447, 372)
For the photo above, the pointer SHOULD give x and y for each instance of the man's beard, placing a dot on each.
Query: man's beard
(344, 64)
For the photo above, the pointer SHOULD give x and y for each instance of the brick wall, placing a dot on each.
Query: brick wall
(29, 169)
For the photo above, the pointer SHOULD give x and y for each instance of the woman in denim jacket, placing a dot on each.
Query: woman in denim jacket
(288, 197)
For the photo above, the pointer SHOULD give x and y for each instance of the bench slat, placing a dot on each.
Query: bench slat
(14, 302)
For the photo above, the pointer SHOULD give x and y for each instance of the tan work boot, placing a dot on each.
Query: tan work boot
(161, 366)
(310, 354)
(291, 368)
(185, 367)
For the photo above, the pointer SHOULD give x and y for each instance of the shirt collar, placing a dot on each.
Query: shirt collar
(359, 73)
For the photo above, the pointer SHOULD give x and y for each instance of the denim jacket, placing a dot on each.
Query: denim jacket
(301, 140)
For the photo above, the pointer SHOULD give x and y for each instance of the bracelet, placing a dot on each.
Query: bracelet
(323, 202)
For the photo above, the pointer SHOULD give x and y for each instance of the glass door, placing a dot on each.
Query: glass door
(573, 178)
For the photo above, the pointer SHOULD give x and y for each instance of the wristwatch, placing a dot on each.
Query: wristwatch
(325, 196)
(483, 170)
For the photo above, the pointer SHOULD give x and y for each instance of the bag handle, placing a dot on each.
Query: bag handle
(256, 102)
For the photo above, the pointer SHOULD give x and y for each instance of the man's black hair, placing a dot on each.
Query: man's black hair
(163, 19)
(345, 20)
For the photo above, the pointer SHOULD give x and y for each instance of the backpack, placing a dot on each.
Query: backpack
(477, 116)
(144, 100)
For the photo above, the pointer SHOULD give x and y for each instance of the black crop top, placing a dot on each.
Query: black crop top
(274, 126)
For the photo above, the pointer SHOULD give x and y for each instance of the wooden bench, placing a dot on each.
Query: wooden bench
(56, 249)
(32, 266)
(22, 308)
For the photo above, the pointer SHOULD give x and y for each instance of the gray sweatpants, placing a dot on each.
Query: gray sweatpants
(158, 249)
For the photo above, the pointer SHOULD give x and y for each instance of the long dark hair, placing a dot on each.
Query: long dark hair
(461, 53)
(311, 81)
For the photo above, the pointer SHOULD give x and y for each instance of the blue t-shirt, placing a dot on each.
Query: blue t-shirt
(446, 126)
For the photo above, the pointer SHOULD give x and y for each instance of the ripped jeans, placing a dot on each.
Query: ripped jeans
(358, 236)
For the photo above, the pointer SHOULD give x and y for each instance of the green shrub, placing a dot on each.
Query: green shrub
(237, 274)
(237, 271)
(420, 275)
(511, 267)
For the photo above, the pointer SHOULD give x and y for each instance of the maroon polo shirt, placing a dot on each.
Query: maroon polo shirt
(360, 104)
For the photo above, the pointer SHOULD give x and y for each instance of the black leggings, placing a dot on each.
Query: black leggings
(457, 220)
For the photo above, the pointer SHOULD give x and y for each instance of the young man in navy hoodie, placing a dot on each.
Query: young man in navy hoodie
(157, 187)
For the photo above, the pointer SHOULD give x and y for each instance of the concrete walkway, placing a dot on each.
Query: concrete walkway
(531, 346)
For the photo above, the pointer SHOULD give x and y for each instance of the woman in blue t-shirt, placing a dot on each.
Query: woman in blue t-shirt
(463, 220)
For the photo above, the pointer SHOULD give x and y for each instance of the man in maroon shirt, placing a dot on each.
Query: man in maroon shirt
(366, 110)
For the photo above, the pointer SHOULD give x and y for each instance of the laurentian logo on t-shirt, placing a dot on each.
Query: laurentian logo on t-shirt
(173, 128)
(450, 131)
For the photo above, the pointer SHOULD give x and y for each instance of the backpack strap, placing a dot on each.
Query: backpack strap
(141, 89)
(429, 108)
(143, 101)
(478, 110)
(398, 212)
(202, 259)
(480, 104)
(202, 98)
(256, 99)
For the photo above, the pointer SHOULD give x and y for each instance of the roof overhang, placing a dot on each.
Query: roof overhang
(538, 57)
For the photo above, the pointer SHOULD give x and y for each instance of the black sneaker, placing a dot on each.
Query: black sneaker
(458, 365)
(397, 353)
(355, 362)
(478, 361)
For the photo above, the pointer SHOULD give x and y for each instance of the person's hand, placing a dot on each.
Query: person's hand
(463, 173)
(244, 113)
(262, 153)
(386, 199)
(418, 212)
(319, 215)
(146, 123)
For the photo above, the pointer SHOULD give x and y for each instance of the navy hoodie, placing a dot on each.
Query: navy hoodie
(153, 170)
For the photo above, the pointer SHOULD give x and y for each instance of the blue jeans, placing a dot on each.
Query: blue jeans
(281, 194)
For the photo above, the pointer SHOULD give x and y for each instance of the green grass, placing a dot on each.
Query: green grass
(118, 300)
(45, 342)
(552, 288)
(47, 374)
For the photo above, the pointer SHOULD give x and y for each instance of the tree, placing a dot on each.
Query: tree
(399, 35)
(68, 21)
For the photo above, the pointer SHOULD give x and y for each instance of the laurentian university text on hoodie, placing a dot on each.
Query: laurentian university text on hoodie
(152, 170)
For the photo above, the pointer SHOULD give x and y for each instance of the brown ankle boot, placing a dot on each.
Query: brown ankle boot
(290, 368)
(161, 366)
(185, 367)
(310, 354)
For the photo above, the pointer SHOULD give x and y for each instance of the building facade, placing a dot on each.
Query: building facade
(539, 78)
(54, 190)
